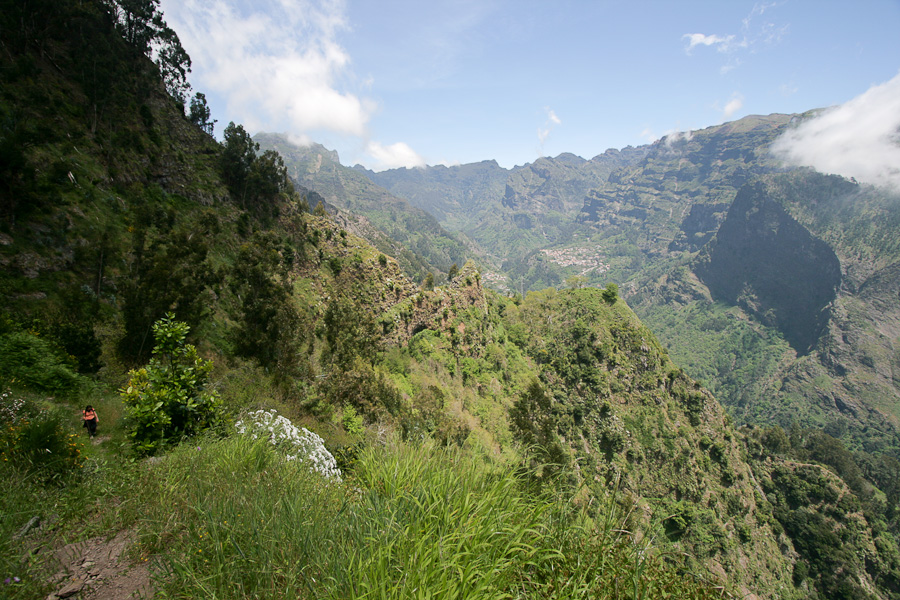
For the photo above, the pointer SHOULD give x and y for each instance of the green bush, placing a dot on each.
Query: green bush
(168, 399)
(36, 441)
(32, 362)
(611, 293)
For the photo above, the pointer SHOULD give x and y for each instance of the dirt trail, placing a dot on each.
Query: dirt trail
(99, 569)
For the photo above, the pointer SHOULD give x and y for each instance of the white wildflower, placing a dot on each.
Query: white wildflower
(298, 444)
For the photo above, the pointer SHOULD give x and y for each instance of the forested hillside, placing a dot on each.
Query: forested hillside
(286, 412)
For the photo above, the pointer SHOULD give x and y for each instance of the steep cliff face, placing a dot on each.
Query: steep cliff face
(806, 259)
(861, 355)
(766, 262)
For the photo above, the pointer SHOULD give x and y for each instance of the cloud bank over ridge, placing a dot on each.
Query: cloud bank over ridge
(860, 138)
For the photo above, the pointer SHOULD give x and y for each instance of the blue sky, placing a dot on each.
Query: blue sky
(401, 83)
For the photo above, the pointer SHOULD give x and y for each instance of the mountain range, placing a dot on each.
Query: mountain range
(744, 268)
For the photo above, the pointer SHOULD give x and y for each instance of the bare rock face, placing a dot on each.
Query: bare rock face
(436, 309)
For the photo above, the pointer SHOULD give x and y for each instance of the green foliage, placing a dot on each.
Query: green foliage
(533, 422)
(141, 24)
(349, 331)
(71, 330)
(822, 518)
(36, 442)
(428, 417)
(611, 293)
(362, 386)
(236, 159)
(576, 282)
(200, 114)
(256, 181)
(351, 421)
(17, 173)
(776, 440)
(735, 361)
(170, 271)
(30, 361)
(169, 399)
(269, 327)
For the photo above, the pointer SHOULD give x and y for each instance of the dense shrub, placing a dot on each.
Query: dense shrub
(33, 362)
(168, 399)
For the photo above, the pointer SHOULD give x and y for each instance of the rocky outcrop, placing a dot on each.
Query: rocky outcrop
(438, 309)
(699, 226)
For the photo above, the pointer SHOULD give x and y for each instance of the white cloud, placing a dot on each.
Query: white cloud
(544, 131)
(673, 137)
(731, 65)
(722, 43)
(278, 66)
(754, 33)
(766, 32)
(788, 89)
(734, 105)
(648, 134)
(393, 156)
(276, 62)
(860, 138)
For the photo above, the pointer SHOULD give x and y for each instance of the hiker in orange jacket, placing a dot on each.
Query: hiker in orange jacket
(89, 418)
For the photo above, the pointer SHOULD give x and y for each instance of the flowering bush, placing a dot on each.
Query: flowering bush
(36, 440)
(298, 443)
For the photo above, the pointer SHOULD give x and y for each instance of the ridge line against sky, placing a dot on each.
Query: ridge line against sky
(404, 83)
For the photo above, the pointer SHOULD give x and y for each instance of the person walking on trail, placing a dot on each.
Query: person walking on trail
(89, 418)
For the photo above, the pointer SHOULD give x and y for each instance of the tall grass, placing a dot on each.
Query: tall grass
(232, 519)
(235, 520)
